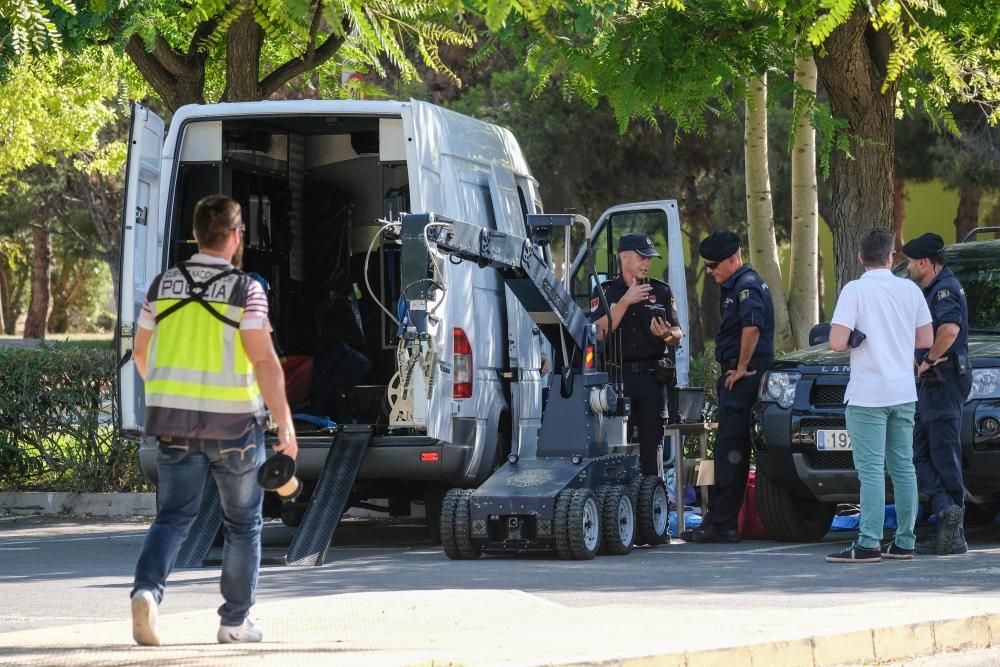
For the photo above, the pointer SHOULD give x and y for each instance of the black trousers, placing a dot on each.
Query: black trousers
(649, 408)
(937, 446)
(732, 451)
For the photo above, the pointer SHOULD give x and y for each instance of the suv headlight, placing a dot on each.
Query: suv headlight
(779, 387)
(985, 383)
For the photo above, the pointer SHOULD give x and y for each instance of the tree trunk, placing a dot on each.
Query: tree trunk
(11, 291)
(967, 219)
(898, 214)
(244, 42)
(760, 214)
(852, 72)
(703, 313)
(177, 79)
(803, 297)
(711, 296)
(820, 289)
(38, 309)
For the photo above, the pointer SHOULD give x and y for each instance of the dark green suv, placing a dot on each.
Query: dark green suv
(799, 485)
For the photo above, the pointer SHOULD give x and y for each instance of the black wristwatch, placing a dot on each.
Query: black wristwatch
(927, 358)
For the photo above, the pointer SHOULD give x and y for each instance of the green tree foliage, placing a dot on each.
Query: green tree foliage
(235, 50)
(942, 53)
(26, 28)
(51, 105)
(689, 59)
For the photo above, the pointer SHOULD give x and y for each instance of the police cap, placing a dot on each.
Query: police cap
(924, 246)
(719, 246)
(641, 243)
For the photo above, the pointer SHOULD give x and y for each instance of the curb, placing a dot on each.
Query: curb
(78, 504)
(117, 505)
(875, 645)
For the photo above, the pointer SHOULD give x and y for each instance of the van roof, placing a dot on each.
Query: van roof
(229, 110)
(285, 107)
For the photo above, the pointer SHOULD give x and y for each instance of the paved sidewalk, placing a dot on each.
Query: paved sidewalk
(496, 627)
(757, 603)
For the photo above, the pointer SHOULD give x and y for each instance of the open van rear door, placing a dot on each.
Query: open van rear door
(140, 243)
(657, 219)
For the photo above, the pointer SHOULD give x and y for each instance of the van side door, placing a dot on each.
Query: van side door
(142, 238)
(660, 221)
(523, 339)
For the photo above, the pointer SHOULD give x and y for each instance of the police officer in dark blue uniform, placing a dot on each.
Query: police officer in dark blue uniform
(645, 327)
(744, 348)
(943, 383)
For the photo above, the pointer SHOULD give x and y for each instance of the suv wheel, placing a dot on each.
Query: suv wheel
(790, 518)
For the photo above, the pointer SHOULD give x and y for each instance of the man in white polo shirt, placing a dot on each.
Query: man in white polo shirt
(881, 396)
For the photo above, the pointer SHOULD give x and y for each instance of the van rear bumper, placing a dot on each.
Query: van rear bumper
(409, 457)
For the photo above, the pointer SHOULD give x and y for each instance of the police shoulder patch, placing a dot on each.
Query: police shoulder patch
(744, 294)
(943, 294)
(594, 303)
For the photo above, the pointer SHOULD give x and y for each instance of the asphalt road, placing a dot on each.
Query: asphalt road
(58, 571)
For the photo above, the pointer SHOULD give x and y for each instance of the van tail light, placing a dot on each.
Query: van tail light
(462, 364)
(589, 358)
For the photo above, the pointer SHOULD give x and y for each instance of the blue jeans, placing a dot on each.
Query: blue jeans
(184, 466)
(882, 439)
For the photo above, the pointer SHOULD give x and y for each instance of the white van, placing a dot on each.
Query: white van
(314, 179)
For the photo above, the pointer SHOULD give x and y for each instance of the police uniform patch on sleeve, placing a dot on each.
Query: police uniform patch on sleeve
(744, 294)
(943, 294)
(594, 303)
(673, 303)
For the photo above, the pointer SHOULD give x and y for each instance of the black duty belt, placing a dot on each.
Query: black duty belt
(755, 362)
(645, 366)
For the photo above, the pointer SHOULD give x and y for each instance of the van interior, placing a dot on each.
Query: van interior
(312, 191)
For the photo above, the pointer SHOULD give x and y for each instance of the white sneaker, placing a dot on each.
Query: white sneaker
(144, 615)
(239, 634)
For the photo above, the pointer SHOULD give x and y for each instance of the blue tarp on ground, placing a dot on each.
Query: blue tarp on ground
(691, 521)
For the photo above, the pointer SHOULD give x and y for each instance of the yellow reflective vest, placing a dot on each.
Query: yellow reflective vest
(199, 381)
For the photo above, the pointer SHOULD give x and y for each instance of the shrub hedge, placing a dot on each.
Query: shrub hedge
(58, 423)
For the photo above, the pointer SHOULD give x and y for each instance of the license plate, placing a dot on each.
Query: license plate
(833, 441)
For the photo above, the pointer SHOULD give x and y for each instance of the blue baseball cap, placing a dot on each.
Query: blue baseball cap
(641, 243)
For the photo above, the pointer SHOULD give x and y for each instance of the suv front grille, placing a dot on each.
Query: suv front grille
(828, 394)
(830, 460)
(814, 423)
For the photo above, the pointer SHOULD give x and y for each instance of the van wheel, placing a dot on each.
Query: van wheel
(584, 523)
(617, 522)
(653, 512)
(448, 505)
(791, 518)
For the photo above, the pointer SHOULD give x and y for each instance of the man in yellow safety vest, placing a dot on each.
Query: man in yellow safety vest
(204, 349)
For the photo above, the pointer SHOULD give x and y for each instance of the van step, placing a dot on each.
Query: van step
(329, 500)
(206, 526)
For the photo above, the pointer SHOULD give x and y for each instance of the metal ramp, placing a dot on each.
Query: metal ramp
(326, 506)
(329, 499)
